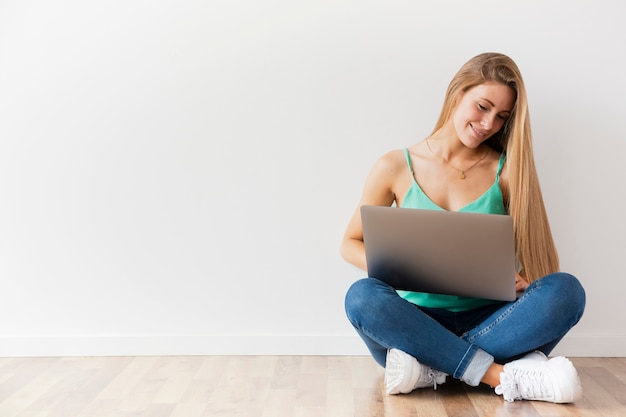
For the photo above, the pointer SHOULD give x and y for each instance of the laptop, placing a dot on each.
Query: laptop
(441, 252)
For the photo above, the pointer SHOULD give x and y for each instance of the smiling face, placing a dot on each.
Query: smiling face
(482, 111)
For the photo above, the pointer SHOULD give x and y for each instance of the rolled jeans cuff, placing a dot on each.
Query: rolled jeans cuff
(477, 368)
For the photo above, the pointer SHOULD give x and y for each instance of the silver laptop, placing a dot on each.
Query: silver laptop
(441, 252)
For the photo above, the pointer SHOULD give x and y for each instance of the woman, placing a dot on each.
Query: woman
(478, 158)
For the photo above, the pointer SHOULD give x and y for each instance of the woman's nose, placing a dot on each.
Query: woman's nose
(487, 123)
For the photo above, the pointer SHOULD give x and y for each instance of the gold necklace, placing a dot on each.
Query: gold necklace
(462, 172)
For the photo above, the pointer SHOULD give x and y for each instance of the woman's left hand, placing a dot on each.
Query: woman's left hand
(520, 283)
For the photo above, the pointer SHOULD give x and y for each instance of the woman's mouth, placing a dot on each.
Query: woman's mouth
(479, 133)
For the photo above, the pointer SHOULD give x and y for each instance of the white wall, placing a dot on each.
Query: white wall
(175, 176)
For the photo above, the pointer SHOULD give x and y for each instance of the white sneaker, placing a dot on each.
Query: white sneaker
(535, 377)
(403, 373)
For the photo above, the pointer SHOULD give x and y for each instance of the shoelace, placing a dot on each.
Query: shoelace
(520, 385)
(433, 377)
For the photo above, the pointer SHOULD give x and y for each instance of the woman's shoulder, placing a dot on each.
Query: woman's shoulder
(386, 177)
(392, 161)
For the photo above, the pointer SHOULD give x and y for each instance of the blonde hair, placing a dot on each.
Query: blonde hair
(533, 238)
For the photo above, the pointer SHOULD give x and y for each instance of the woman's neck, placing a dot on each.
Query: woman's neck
(446, 144)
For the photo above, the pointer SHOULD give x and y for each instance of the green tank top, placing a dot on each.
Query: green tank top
(491, 202)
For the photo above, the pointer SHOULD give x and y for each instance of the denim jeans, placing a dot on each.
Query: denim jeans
(465, 344)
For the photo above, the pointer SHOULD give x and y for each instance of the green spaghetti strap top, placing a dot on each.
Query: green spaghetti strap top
(490, 202)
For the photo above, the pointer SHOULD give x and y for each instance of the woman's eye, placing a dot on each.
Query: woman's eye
(480, 106)
(501, 117)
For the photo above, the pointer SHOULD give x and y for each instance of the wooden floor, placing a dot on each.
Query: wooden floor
(268, 386)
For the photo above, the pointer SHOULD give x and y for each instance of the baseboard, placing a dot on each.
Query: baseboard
(167, 345)
(592, 346)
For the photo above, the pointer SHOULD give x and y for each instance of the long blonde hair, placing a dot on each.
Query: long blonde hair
(533, 238)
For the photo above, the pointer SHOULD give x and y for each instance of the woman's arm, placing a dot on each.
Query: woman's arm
(378, 191)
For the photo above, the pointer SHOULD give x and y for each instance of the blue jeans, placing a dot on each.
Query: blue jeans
(465, 344)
